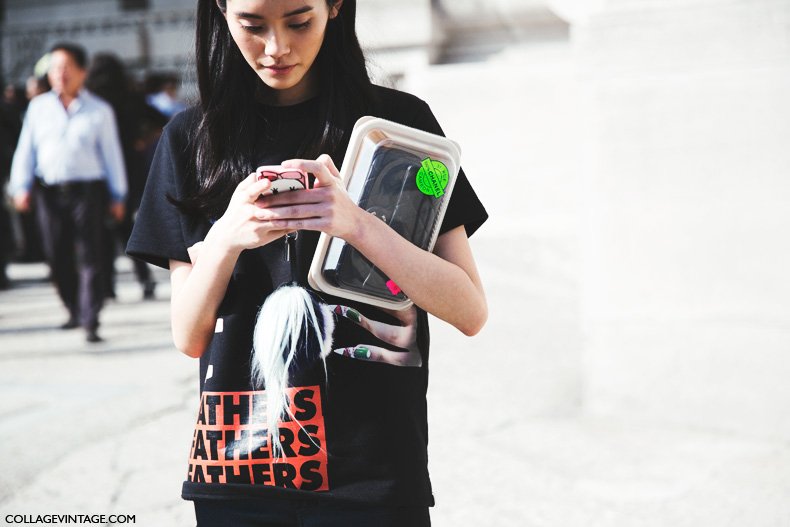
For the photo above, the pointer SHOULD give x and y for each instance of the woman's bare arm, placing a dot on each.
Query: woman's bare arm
(445, 283)
(198, 287)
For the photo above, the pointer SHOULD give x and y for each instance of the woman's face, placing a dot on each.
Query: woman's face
(280, 40)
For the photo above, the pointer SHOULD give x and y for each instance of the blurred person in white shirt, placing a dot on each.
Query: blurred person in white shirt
(69, 161)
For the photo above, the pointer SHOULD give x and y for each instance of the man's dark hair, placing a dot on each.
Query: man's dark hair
(76, 51)
(224, 139)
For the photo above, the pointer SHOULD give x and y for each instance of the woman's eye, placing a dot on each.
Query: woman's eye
(303, 25)
(252, 29)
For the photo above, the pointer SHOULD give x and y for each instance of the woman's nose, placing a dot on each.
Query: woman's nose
(276, 45)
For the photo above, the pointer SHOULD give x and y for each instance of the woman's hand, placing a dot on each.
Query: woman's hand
(244, 225)
(326, 207)
(198, 287)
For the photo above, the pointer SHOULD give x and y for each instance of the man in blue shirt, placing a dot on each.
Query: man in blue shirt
(68, 161)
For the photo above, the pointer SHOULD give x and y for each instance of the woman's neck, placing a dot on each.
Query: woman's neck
(306, 89)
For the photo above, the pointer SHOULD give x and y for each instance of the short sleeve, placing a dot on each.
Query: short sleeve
(465, 207)
(158, 233)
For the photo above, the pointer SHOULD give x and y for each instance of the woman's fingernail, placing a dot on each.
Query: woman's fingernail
(361, 352)
(349, 313)
(358, 352)
(354, 315)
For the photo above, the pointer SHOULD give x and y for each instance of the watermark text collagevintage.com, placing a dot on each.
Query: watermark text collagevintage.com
(79, 519)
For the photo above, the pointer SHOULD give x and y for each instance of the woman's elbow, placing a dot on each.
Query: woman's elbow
(194, 352)
(475, 322)
(188, 346)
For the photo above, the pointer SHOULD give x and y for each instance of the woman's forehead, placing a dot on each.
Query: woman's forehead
(271, 9)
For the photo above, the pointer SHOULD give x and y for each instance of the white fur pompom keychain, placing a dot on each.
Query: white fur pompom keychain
(293, 330)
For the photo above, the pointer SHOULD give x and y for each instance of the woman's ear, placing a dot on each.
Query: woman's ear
(222, 5)
(335, 9)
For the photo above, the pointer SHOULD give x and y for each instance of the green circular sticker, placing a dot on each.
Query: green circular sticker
(432, 177)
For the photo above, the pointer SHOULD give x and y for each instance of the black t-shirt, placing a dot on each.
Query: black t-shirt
(361, 432)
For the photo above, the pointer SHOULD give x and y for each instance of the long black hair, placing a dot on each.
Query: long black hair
(223, 142)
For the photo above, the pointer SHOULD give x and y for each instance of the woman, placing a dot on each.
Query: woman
(282, 82)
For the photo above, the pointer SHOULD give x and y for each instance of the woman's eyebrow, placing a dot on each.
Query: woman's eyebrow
(242, 14)
(299, 11)
(253, 16)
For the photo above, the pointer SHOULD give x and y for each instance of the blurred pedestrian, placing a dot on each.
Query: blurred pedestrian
(139, 128)
(14, 96)
(162, 91)
(36, 86)
(68, 159)
(10, 126)
(29, 246)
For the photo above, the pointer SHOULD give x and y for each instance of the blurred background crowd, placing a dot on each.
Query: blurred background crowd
(141, 109)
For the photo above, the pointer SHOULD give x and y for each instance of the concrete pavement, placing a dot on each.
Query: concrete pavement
(105, 428)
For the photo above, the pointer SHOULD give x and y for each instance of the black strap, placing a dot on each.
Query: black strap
(290, 255)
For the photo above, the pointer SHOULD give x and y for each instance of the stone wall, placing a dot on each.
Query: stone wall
(686, 301)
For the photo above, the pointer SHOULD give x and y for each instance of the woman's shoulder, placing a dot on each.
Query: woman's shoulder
(397, 105)
(393, 95)
(184, 121)
(405, 108)
(179, 131)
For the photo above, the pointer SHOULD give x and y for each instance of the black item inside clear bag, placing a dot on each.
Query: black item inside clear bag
(403, 177)
(390, 194)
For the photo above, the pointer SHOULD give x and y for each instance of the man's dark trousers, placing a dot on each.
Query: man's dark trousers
(71, 218)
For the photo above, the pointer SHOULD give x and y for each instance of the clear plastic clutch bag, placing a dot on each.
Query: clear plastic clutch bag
(404, 177)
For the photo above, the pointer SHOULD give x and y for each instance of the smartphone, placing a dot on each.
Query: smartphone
(282, 179)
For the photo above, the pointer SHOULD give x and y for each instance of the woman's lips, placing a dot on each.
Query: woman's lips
(279, 70)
